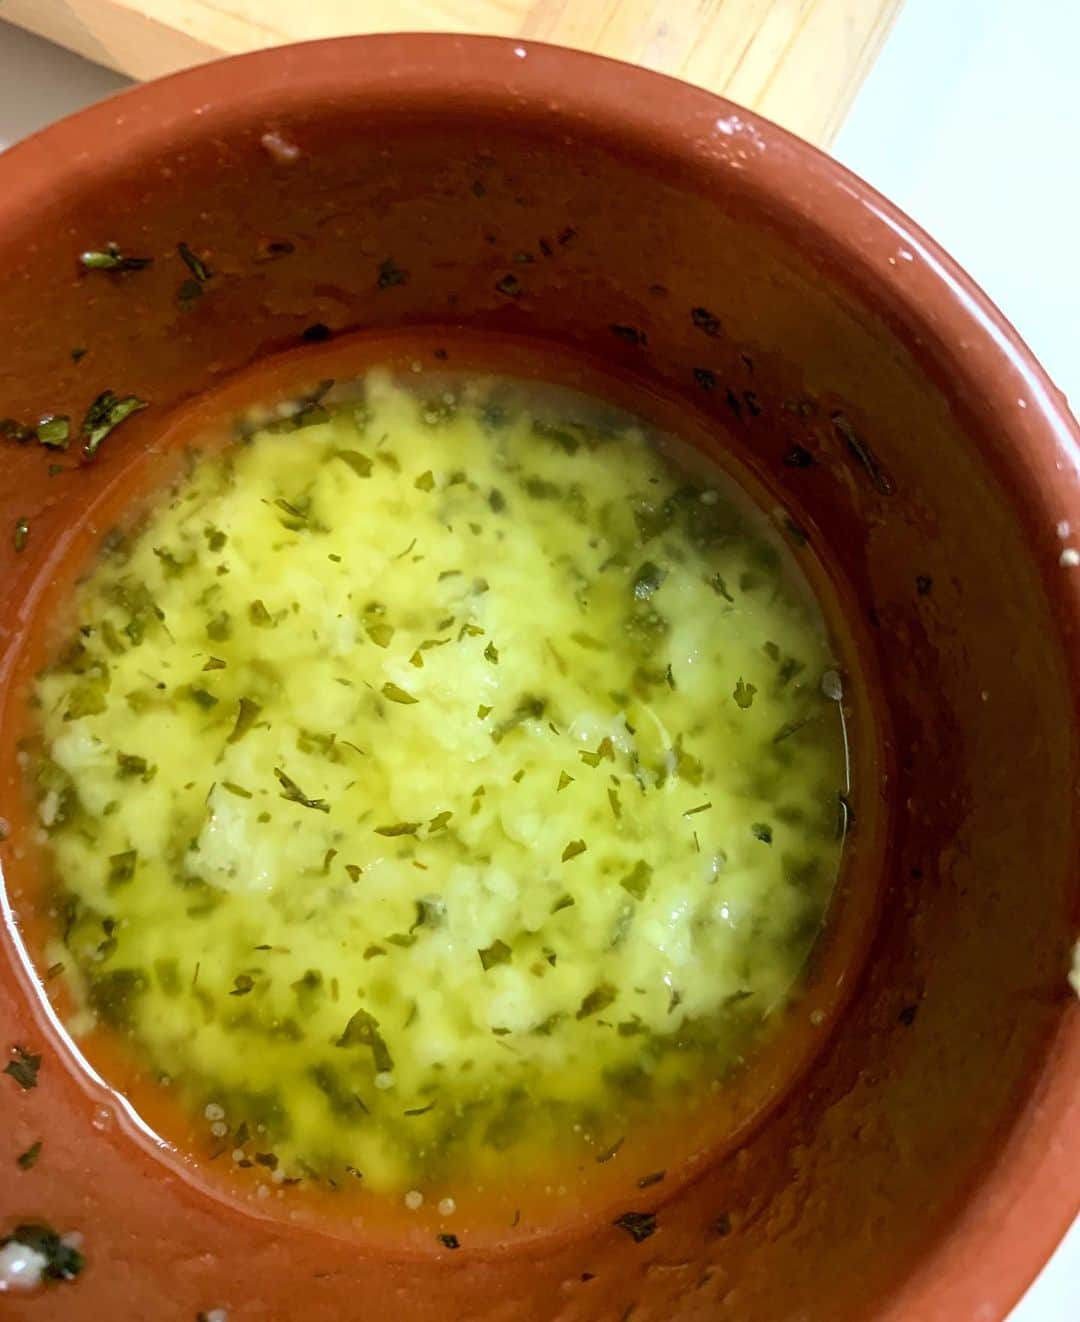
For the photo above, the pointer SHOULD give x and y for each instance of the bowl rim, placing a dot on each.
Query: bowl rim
(1009, 1224)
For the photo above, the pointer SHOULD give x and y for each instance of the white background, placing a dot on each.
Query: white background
(969, 121)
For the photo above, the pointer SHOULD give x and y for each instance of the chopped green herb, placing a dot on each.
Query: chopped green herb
(491, 653)
(110, 258)
(294, 794)
(362, 1030)
(382, 635)
(744, 693)
(425, 482)
(702, 807)
(194, 264)
(647, 580)
(23, 1068)
(242, 984)
(214, 663)
(638, 1225)
(720, 587)
(609, 1152)
(449, 1241)
(598, 999)
(122, 868)
(438, 822)
(28, 1160)
(398, 828)
(107, 412)
(638, 880)
(497, 953)
(564, 780)
(359, 463)
(54, 431)
(391, 274)
(259, 615)
(246, 716)
(573, 849)
(762, 831)
(397, 694)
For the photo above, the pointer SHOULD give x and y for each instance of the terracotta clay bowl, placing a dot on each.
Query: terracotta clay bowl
(925, 1164)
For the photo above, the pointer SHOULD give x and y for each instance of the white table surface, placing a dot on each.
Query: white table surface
(969, 122)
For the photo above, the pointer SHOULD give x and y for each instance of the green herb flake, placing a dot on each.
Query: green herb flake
(246, 716)
(28, 1160)
(638, 880)
(615, 802)
(702, 807)
(564, 901)
(573, 849)
(359, 463)
(426, 481)
(397, 694)
(21, 535)
(202, 698)
(438, 822)
(647, 1181)
(105, 414)
(497, 953)
(491, 653)
(762, 831)
(609, 1152)
(194, 263)
(110, 258)
(638, 1225)
(448, 1241)
(54, 431)
(744, 693)
(598, 999)
(382, 635)
(294, 794)
(398, 828)
(720, 587)
(390, 274)
(362, 1030)
(259, 615)
(130, 765)
(122, 868)
(483, 711)
(214, 663)
(23, 1068)
(242, 984)
(648, 580)
(564, 780)
(354, 873)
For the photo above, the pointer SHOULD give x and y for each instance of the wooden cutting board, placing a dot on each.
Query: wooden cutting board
(799, 62)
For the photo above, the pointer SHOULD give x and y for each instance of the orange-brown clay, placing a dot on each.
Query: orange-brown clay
(925, 1166)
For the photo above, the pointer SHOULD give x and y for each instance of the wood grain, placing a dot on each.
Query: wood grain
(798, 62)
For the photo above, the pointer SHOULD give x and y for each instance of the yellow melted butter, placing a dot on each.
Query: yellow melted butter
(444, 776)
